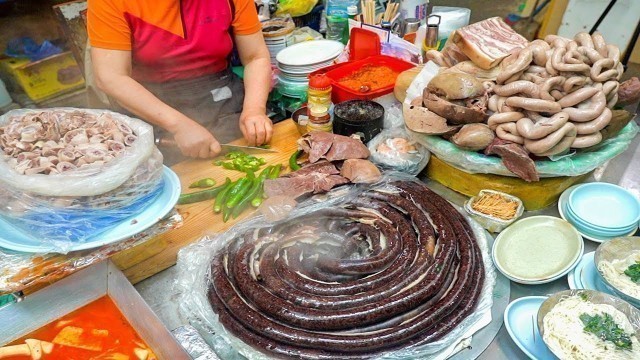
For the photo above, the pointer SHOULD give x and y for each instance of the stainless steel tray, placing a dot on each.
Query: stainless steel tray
(79, 289)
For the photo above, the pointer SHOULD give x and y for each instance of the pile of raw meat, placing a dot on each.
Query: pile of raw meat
(54, 142)
(333, 160)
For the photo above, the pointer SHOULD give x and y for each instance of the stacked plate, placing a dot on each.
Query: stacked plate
(297, 61)
(600, 211)
(275, 45)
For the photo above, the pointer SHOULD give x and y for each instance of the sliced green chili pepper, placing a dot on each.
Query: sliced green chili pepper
(262, 161)
(293, 160)
(221, 197)
(236, 196)
(228, 166)
(203, 183)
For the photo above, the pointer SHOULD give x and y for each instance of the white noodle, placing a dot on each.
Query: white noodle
(564, 332)
(614, 273)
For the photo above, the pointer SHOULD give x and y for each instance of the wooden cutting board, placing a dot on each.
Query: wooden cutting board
(157, 254)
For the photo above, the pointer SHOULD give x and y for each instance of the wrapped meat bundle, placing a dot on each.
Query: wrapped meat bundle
(70, 174)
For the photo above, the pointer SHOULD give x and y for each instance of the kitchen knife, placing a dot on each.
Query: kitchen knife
(163, 142)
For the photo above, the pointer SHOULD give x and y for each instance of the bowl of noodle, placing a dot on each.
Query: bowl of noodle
(618, 264)
(590, 325)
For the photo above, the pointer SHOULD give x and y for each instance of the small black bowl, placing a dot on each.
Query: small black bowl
(362, 117)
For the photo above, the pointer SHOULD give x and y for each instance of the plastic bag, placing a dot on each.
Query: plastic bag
(194, 278)
(303, 34)
(27, 47)
(77, 204)
(581, 162)
(295, 7)
(388, 153)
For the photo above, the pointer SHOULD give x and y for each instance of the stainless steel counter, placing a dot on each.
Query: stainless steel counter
(623, 170)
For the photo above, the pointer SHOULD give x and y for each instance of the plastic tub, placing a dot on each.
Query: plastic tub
(489, 222)
(339, 71)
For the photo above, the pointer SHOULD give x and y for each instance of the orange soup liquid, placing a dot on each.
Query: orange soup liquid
(93, 318)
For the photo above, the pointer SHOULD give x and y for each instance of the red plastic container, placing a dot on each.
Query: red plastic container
(363, 44)
(339, 71)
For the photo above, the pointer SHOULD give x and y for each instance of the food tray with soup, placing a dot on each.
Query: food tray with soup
(93, 314)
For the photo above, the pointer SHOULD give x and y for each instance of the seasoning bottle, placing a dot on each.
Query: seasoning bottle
(319, 93)
(431, 41)
(319, 119)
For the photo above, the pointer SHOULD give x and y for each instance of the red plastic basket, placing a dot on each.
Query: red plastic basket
(338, 71)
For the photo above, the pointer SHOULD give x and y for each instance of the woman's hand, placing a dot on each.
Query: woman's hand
(195, 141)
(257, 128)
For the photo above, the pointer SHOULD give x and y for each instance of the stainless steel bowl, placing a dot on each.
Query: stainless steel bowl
(595, 297)
(617, 249)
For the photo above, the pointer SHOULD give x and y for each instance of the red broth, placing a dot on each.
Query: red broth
(93, 318)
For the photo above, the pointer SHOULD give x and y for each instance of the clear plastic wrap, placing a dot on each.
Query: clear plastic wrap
(579, 163)
(388, 153)
(194, 264)
(25, 270)
(69, 207)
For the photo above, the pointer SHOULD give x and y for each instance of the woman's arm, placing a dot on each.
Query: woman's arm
(112, 71)
(254, 123)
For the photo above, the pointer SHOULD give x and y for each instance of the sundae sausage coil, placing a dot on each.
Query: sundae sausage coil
(265, 285)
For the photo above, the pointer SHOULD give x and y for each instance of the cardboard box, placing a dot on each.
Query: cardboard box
(46, 78)
(104, 278)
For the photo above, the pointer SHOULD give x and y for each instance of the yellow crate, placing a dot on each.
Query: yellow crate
(535, 195)
(45, 78)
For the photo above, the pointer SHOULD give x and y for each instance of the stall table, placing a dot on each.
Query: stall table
(623, 170)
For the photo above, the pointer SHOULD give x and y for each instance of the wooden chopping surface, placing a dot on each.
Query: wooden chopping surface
(157, 254)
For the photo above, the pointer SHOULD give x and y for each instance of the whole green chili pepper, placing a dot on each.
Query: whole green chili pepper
(242, 189)
(293, 160)
(202, 195)
(221, 198)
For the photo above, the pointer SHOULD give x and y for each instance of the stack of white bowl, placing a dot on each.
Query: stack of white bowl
(297, 61)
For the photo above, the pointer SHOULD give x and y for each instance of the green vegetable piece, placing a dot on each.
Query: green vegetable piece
(236, 196)
(606, 329)
(256, 185)
(275, 172)
(228, 165)
(203, 183)
(262, 161)
(256, 201)
(633, 271)
(221, 198)
(235, 154)
(293, 160)
(217, 163)
(226, 213)
(202, 195)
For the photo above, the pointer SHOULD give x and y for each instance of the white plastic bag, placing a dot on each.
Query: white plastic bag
(385, 152)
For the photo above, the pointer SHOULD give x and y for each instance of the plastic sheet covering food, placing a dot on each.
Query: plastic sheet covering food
(19, 271)
(575, 164)
(195, 276)
(73, 205)
(393, 149)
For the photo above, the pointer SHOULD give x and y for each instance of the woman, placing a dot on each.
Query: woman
(167, 62)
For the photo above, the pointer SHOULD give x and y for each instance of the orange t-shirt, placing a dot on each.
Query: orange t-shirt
(171, 39)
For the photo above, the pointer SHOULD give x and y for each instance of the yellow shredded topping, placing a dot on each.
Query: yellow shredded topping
(495, 205)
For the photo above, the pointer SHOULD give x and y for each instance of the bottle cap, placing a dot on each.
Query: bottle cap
(352, 10)
(319, 81)
(318, 111)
